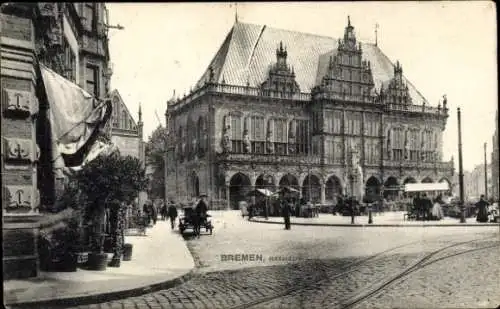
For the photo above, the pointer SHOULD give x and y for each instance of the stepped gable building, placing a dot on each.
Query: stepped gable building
(71, 40)
(326, 116)
(126, 133)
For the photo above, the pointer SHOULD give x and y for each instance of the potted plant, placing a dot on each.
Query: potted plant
(109, 183)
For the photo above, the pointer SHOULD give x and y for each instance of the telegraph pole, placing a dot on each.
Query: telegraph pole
(460, 168)
(485, 174)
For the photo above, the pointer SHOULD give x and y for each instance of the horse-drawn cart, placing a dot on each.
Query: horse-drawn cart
(189, 220)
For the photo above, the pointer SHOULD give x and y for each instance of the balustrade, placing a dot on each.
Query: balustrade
(301, 96)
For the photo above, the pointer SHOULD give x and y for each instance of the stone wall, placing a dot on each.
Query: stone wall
(20, 153)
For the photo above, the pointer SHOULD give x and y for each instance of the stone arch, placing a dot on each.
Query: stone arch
(372, 189)
(264, 181)
(239, 186)
(427, 180)
(409, 180)
(446, 180)
(391, 187)
(311, 188)
(289, 180)
(333, 188)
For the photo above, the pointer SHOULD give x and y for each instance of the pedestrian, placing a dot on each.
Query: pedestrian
(482, 207)
(200, 214)
(352, 208)
(153, 211)
(164, 211)
(146, 211)
(287, 209)
(172, 214)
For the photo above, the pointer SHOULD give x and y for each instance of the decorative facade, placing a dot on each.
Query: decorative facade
(326, 116)
(71, 39)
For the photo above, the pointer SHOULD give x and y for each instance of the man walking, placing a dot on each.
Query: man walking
(172, 214)
(287, 209)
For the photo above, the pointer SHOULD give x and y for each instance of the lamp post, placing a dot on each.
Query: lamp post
(460, 168)
(485, 174)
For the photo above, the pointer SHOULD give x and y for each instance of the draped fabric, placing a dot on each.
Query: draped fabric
(76, 118)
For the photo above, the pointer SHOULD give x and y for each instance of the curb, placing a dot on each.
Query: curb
(377, 225)
(104, 297)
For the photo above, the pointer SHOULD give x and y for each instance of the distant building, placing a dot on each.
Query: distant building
(495, 189)
(327, 116)
(127, 134)
(474, 182)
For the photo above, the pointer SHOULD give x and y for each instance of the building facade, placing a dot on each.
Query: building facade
(474, 182)
(495, 168)
(70, 39)
(326, 116)
(127, 134)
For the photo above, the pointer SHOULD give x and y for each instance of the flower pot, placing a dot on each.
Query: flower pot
(127, 252)
(97, 261)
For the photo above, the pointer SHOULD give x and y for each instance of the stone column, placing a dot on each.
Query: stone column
(323, 193)
(228, 195)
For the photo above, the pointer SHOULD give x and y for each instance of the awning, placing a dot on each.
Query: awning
(420, 187)
(75, 118)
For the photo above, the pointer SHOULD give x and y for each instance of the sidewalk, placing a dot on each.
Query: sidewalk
(160, 260)
(390, 219)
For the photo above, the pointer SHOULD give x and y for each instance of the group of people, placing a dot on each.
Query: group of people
(426, 209)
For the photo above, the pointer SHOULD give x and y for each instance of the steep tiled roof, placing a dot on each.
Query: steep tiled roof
(249, 50)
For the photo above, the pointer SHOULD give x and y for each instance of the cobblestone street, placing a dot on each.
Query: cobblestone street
(334, 268)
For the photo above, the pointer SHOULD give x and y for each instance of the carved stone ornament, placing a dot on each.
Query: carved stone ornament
(17, 198)
(18, 103)
(17, 149)
(246, 142)
(226, 140)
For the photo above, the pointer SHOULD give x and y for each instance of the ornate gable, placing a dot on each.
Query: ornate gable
(121, 118)
(397, 91)
(281, 78)
(348, 73)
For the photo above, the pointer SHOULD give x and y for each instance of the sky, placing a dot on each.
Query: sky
(444, 47)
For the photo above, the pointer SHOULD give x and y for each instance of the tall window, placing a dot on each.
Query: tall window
(371, 151)
(372, 125)
(330, 150)
(257, 134)
(354, 123)
(92, 80)
(89, 13)
(302, 137)
(69, 61)
(414, 140)
(338, 151)
(236, 134)
(398, 138)
(280, 136)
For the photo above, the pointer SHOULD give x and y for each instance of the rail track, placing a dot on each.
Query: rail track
(422, 263)
(351, 267)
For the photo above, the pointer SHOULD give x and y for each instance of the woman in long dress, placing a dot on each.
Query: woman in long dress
(437, 211)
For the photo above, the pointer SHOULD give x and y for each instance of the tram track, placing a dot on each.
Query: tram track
(352, 267)
(349, 268)
(422, 263)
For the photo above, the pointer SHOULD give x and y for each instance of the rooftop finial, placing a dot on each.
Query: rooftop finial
(140, 112)
(348, 21)
(236, 12)
(376, 34)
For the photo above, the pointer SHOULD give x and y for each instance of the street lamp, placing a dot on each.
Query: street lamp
(460, 168)
(485, 174)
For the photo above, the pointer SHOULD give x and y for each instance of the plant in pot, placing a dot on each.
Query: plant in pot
(109, 182)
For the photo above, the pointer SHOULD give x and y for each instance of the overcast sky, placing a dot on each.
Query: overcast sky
(444, 47)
